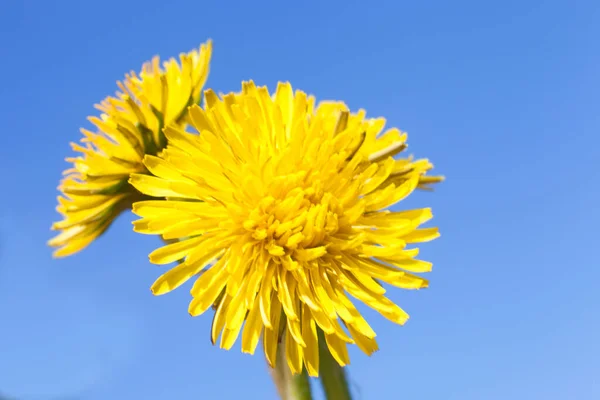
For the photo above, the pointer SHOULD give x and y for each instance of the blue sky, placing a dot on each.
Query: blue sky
(503, 97)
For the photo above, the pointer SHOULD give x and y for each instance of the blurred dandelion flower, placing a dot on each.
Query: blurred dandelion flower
(280, 207)
(95, 190)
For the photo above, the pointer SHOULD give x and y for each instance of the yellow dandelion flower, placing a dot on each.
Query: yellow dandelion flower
(95, 190)
(280, 209)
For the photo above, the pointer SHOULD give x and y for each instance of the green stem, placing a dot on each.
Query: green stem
(333, 376)
(289, 386)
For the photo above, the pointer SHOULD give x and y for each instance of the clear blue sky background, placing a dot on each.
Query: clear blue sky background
(503, 96)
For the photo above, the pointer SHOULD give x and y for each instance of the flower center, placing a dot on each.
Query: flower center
(286, 222)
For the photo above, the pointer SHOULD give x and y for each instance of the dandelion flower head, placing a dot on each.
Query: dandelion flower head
(279, 210)
(94, 190)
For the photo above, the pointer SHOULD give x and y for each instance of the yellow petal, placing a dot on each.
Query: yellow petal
(422, 235)
(293, 353)
(218, 321)
(175, 251)
(311, 348)
(207, 288)
(271, 335)
(156, 187)
(174, 278)
(252, 329)
(265, 297)
(293, 326)
(367, 344)
(317, 286)
(338, 349)
(286, 294)
(235, 318)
